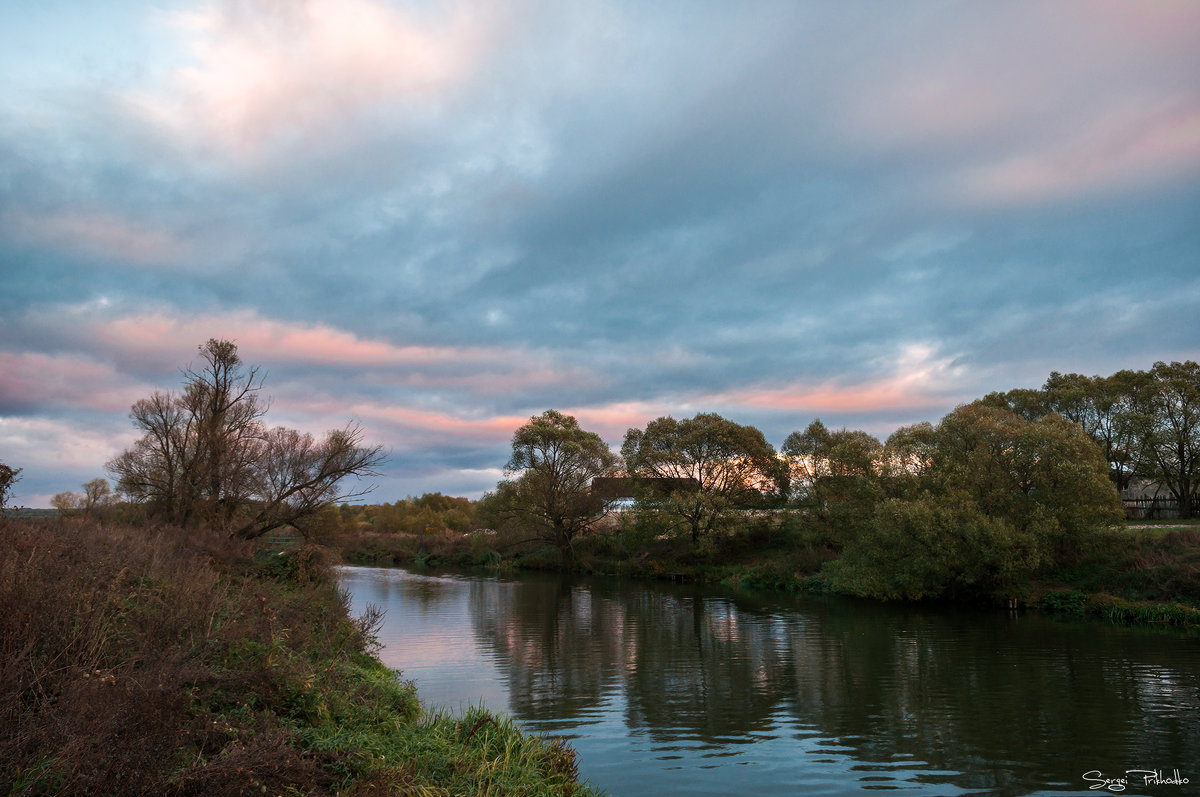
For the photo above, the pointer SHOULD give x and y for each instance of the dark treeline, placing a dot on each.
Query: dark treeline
(994, 496)
(1147, 423)
(975, 506)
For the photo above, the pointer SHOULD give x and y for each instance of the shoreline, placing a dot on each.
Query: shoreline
(1096, 587)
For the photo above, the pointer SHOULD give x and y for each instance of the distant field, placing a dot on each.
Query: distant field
(26, 512)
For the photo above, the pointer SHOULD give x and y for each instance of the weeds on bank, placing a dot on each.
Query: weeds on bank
(150, 661)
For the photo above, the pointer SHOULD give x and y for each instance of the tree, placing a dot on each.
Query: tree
(1109, 409)
(1026, 403)
(905, 460)
(8, 477)
(1170, 431)
(67, 503)
(981, 501)
(554, 462)
(933, 547)
(207, 457)
(1045, 477)
(97, 494)
(831, 468)
(705, 468)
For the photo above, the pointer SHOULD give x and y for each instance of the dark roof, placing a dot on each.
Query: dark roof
(627, 486)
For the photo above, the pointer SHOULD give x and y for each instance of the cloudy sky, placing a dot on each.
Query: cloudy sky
(440, 218)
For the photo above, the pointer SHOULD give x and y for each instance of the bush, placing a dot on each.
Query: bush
(927, 548)
(1067, 601)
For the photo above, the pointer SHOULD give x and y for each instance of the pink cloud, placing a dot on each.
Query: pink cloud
(920, 380)
(395, 421)
(265, 73)
(1043, 100)
(263, 340)
(1126, 150)
(65, 381)
(884, 395)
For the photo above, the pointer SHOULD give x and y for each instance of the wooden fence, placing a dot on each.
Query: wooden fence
(1162, 507)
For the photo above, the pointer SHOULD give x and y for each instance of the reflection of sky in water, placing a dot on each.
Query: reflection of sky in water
(664, 689)
(427, 635)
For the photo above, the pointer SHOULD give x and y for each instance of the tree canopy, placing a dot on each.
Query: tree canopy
(711, 465)
(830, 467)
(1147, 423)
(977, 503)
(554, 462)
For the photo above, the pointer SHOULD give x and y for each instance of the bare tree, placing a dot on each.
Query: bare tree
(206, 456)
(295, 476)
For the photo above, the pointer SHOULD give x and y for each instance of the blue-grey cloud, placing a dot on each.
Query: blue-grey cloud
(442, 218)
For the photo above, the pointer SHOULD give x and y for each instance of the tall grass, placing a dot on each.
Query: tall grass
(153, 661)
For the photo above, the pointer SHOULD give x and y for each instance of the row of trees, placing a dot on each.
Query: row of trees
(431, 513)
(1147, 423)
(696, 471)
(973, 502)
(1011, 455)
(996, 489)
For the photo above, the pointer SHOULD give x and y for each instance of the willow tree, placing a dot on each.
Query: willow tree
(702, 469)
(829, 468)
(207, 457)
(554, 462)
(985, 498)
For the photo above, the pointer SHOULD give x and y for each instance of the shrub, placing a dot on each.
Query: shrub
(928, 548)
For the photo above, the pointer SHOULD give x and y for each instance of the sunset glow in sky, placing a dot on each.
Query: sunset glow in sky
(441, 218)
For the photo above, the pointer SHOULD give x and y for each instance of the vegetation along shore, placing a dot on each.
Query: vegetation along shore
(158, 660)
(1011, 500)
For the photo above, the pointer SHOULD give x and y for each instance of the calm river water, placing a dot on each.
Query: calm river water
(687, 690)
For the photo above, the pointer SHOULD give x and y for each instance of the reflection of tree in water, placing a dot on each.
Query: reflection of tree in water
(702, 669)
(961, 692)
(689, 666)
(559, 644)
(383, 586)
(975, 693)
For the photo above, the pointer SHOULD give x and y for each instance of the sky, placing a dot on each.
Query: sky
(437, 219)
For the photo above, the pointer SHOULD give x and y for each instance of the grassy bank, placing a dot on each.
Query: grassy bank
(1126, 575)
(150, 661)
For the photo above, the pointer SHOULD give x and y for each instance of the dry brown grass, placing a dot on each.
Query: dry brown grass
(118, 649)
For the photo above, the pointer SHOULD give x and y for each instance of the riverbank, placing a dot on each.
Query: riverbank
(153, 661)
(1148, 573)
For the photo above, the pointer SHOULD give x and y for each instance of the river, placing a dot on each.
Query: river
(691, 690)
